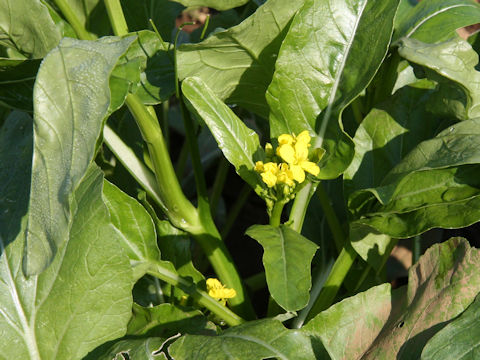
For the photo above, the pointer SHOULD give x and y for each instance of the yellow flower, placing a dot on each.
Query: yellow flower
(294, 150)
(285, 175)
(218, 291)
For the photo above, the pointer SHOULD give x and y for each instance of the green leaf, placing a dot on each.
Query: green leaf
(162, 12)
(238, 64)
(16, 83)
(441, 286)
(17, 31)
(453, 62)
(135, 228)
(255, 340)
(435, 185)
(312, 96)
(82, 300)
(132, 349)
(166, 320)
(157, 79)
(380, 324)
(287, 257)
(382, 140)
(459, 339)
(349, 327)
(216, 4)
(176, 247)
(71, 99)
(239, 144)
(16, 146)
(436, 20)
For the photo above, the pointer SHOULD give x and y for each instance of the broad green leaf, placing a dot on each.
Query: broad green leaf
(238, 64)
(349, 327)
(382, 140)
(162, 12)
(32, 39)
(16, 84)
(435, 185)
(382, 324)
(166, 320)
(216, 4)
(436, 20)
(130, 348)
(371, 245)
(149, 331)
(254, 340)
(176, 248)
(239, 144)
(71, 100)
(157, 79)
(327, 39)
(441, 286)
(452, 61)
(458, 340)
(124, 78)
(16, 146)
(84, 297)
(287, 257)
(135, 228)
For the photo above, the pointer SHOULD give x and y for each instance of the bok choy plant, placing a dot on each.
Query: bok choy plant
(236, 191)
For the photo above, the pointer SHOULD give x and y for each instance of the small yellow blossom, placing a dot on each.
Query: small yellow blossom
(294, 150)
(269, 150)
(218, 291)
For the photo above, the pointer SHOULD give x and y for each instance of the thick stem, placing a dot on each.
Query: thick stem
(276, 216)
(199, 296)
(300, 204)
(335, 279)
(117, 19)
(74, 21)
(180, 211)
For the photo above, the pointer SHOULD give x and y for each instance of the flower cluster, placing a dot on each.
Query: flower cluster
(218, 291)
(287, 165)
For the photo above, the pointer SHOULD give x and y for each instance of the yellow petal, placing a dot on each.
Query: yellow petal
(287, 153)
(298, 173)
(304, 137)
(269, 178)
(285, 139)
(270, 167)
(301, 151)
(213, 283)
(259, 166)
(310, 167)
(269, 150)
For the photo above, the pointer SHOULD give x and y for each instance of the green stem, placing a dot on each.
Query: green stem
(276, 216)
(181, 212)
(218, 184)
(332, 219)
(117, 19)
(199, 296)
(235, 210)
(335, 279)
(74, 21)
(300, 204)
